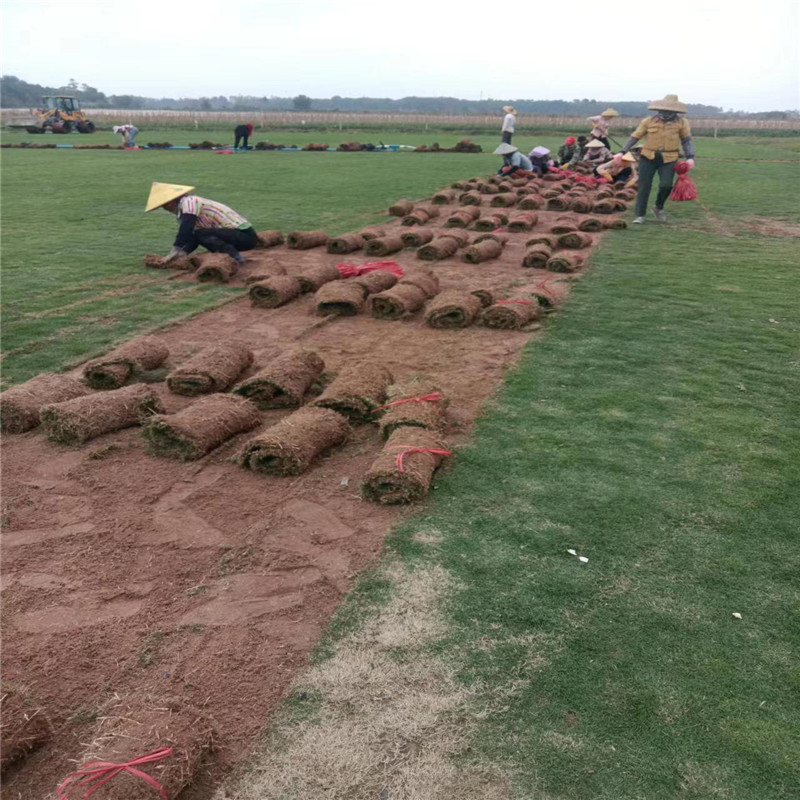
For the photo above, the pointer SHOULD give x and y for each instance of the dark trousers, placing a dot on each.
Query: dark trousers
(647, 170)
(241, 137)
(506, 139)
(222, 240)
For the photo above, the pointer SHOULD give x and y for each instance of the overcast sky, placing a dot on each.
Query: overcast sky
(731, 54)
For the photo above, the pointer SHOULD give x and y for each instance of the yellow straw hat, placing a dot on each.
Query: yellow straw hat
(629, 157)
(595, 143)
(610, 112)
(509, 109)
(668, 103)
(161, 193)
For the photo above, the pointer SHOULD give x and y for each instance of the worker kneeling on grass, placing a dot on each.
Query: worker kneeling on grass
(202, 222)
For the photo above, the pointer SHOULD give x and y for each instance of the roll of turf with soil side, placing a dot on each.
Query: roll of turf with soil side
(483, 251)
(401, 208)
(20, 405)
(417, 237)
(212, 369)
(403, 471)
(530, 202)
(216, 268)
(504, 200)
(501, 238)
(565, 262)
(419, 216)
(522, 221)
(441, 247)
(615, 224)
(576, 240)
(457, 308)
(485, 296)
(443, 197)
(200, 427)
(373, 232)
(547, 239)
(511, 314)
(185, 263)
(564, 224)
(459, 234)
(289, 447)
(343, 298)
(356, 391)
(581, 205)
(269, 238)
(76, 421)
(123, 363)
(491, 223)
(346, 243)
(471, 198)
(306, 240)
(312, 278)
(591, 224)
(263, 272)
(284, 381)
(463, 217)
(397, 302)
(423, 279)
(383, 246)
(274, 292)
(537, 256)
(603, 207)
(416, 402)
(378, 280)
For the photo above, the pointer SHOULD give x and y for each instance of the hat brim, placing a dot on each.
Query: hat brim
(667, 105)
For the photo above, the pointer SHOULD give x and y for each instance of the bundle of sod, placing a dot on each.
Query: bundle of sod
(511, 314)
(285, 381)
(604, 193)
(485, 296)
(504, 200)
(312, 278)
(356, 391)
(549, 194)
(470, 199)
(505, 186)
(619, 205)
(491, 222)
(415, 402)
(460, 236)
(213, 369)
(441, 247)
(264, 272)
(419, 216)
(483, 251)
(537, 256)
(488, 188)
(543, 238)
(383, 246)
(501, 238)
(401, 208)
(24, 726)
(274, 292)
(378, 280)
(522, 221)
(82, 418)
(443, 197)
(115, 368)
(19, 405)
(530, 202)
(453, 309)
(615, 224)
(576, 240)
(603, 207)
(423, 279)
(396, 303)
(564, 225)
(343, 298)
(347, 243)
(152, 261)
(399, 475)
(591, 224)
(581, 205)
(305, 240)
(131, 730)
(559, 203)
(200, 427)
(375, 232)
(564, 262)
(289, 447)
(216, 268)
(417, 237)
(463, 217)
(269, 238)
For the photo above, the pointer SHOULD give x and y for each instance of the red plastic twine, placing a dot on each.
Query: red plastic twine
(97, 773)
(434, 397)
(543, 285)
(352, 270)
(409, 450)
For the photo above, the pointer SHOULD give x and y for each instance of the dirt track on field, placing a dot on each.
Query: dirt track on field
(129, 574)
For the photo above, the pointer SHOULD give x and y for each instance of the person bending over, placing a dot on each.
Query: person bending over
(241, 133)
(513, 160)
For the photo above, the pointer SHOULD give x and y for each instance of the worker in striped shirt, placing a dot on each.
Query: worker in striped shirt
(202, 222)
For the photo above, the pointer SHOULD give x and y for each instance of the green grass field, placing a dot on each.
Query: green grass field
(654, 429)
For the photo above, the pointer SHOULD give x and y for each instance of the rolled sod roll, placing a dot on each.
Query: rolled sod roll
(441, 247)
(483, 251)
(415, 402)
(289, 447)
(501, 238)
(269, 238)
(604, 193)
(113, 369)
(305, 240)
(576, 240)
(471, 198)
(530, 202)
(490, 223)
(312, 278)
(373, 232)
(564, 225)
(402, 472)
(212, 369)
(419, 216)
(275, 291)
(546, 239)
(564, 262)
(82, 418)
(505, 186)
(522, 221)
(581, 205)
(200, 427)
(383, 246)
(603, 207)
(357, 390)
(379, 280)
(443, 197)
(488, 188)
(504, 200)
(615, 224)
(620, 205)
(20, 405)
(463, 217)
(264, 272)
(485, 296)
(591, 224)
(344, 298)
(417, 237)
(139, 726)
(397, 302)
(152, 261)
(24, 725)
(458, 234)
(347, 243)
(422, 279)
(453, 309)
(401, 208)
(537, 256)
(559, 203)
(549, 194)
(284, 381)
(216, 268)
(511, 314)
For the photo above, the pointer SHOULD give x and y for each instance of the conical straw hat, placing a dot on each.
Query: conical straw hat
(629, 157)
(161, 193)
(610, 112)
(668, 103)
(595, 143)
(509, 109)
(504, 149)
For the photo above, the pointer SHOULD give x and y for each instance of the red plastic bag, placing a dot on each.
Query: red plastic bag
(684, 187)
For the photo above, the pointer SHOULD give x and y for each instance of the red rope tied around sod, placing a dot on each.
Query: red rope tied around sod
(518, 302)
(434, 397)
(352, 270)
(97, 773)
(542, 285)
(409, 450)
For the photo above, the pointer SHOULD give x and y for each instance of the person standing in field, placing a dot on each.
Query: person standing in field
(202, 222)
(663, 134)
(241, 133)
(507, 131)
(128, 133)
(601, 124)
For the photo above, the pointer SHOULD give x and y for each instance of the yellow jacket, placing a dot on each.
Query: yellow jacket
(663, 136)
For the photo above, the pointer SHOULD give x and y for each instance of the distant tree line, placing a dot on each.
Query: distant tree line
(17, 93)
